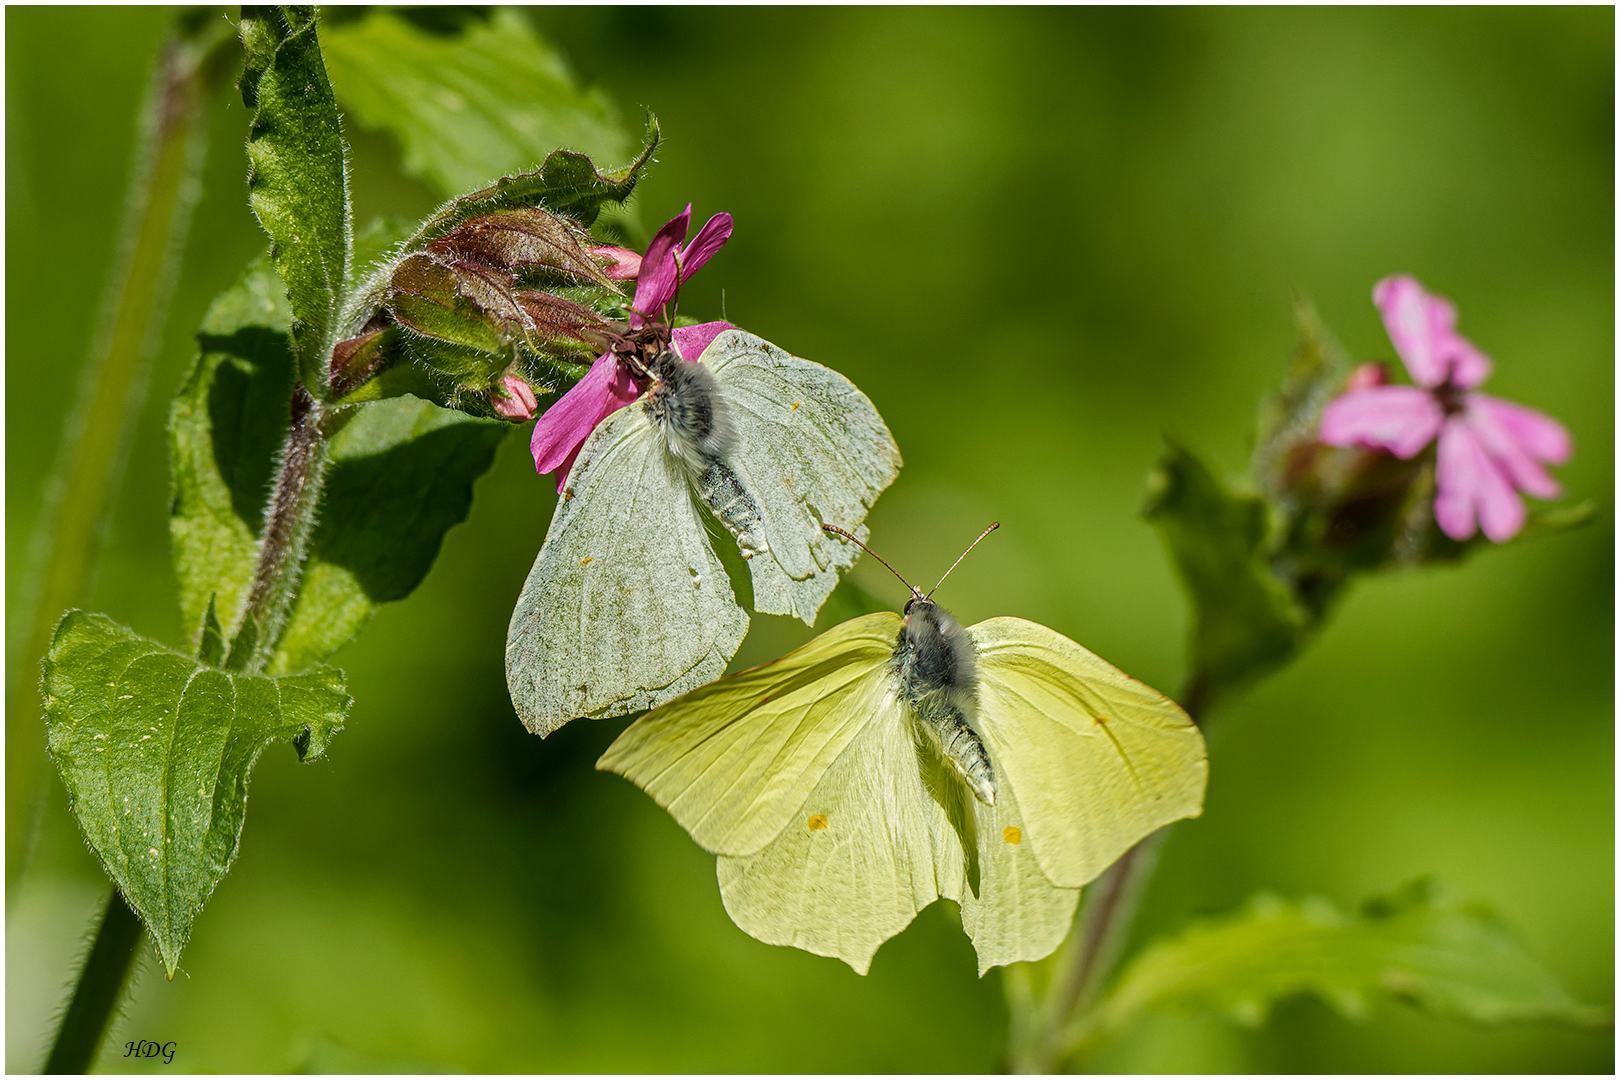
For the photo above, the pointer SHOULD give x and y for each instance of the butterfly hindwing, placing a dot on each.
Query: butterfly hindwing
(887, 830)
(731, 761)
(854, 864)
(627, 605)
(1013, 912)
(1099, 759)
(811, 449)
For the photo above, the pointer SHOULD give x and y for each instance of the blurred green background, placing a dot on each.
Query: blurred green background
(1036, 239)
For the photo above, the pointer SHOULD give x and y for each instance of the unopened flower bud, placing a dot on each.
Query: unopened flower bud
(625, 265)
(513, 397)
(1366, 376)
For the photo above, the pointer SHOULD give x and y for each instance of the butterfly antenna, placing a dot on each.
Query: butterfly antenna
(994, 525)
(875, 555)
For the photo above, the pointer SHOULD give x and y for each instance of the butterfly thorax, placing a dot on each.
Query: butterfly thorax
(689, 408)
(937, 666)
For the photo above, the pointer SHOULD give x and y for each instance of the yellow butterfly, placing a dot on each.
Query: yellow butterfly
(897, 759)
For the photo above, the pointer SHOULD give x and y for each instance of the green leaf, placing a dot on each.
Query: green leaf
(1292, 416)
(402, 474)
(489, 101)
(226, 424)
(156, 750)
(1448, 959)
(297, 176)
(1244, 620)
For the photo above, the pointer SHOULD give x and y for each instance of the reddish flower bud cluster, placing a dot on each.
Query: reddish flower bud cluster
(464, 307)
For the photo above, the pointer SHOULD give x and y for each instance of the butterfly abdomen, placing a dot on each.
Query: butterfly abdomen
(938, 670)
(719, 488)
(688, 406)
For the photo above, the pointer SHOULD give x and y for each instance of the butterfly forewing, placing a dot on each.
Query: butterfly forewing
(1098, 759)
(810, 448)
(626, 606)
(735, 760)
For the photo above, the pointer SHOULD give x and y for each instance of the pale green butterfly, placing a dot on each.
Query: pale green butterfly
(895, 760)
(627, 605)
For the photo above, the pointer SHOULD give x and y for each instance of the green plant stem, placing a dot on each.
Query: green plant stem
(1047, 1032)
(163, 190)
(100, 987)
(289, 521)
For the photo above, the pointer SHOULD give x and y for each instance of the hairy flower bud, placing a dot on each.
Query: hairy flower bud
(625, 264)
(513, 397)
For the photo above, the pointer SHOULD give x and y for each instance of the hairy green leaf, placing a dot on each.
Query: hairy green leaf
(402, 474)
(297, 176)
(489, 101)
(1316, 375)
(156, 750)
(1454, 960)
(1244, 620)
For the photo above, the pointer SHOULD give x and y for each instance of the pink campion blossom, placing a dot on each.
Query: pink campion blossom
(1490, 449)
(610, 385)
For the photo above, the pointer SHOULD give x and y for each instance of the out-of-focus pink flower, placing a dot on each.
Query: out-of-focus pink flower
(514, 398)
(609, 385)
(1490, 449)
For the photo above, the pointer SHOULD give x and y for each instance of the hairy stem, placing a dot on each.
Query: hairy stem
(100, 987)
(1045, 1034)
(284, 545)
(163, 189)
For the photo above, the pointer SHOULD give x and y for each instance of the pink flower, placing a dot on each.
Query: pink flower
(1490, 449)
(610, 385)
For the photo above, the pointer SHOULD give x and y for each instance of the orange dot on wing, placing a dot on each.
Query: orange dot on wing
(1099, 720)
(817, 821)
(1012, 834)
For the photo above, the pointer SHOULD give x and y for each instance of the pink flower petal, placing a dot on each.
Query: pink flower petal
(655, 285)
(1401, 419)
(1419, 325)
(565, 426)
(1539, 435)
(710, 239)
(1470, 487)
(1508, 455)
(1469, 367)
(691, 341)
